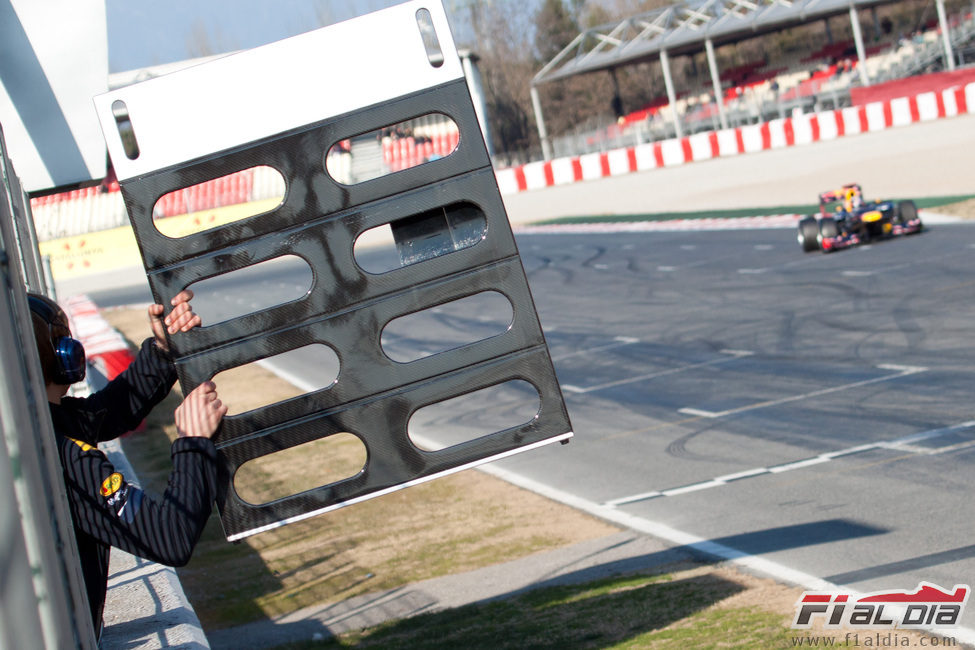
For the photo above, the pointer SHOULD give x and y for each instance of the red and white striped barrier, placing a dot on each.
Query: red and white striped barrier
(776, 134)
(104, 346)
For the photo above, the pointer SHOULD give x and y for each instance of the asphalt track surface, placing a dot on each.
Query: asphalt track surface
(811, 410)
(809, 415)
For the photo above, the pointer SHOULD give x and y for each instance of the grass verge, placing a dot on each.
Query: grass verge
(687, 606)
(965, 205)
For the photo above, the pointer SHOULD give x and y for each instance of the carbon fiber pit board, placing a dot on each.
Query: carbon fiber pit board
(284, 106)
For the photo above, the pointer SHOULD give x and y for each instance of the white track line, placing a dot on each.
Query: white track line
(904, 371)
(734, 354)
(285, 374)
(905, 443)
(619, 341)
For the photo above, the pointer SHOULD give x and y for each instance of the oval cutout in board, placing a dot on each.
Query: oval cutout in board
(420, 237)
(218, 202)
(431, 42)
(474, 415)
(317, 363)
(251, 289)
(332, 459)
(447, 326)
(392, 149)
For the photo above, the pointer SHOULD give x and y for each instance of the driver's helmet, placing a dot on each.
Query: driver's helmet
(852, 199)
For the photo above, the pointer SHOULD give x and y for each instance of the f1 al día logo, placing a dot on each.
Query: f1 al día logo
(927, 606)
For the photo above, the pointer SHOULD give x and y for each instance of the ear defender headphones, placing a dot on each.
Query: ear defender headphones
(69, 353)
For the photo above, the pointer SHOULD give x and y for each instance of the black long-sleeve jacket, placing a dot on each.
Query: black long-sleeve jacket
(109, 511)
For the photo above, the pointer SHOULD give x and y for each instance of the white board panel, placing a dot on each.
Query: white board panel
(271, 89)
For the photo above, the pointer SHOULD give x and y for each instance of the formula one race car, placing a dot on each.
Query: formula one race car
(845, 220)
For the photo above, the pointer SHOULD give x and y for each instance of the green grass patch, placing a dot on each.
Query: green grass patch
(811, 208)
(671, 610)
(936, 202)
(670, 216)
(684, 608)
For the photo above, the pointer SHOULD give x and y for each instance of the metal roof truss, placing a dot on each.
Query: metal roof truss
(684, 28)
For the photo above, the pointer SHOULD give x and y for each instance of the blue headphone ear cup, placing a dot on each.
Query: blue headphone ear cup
(70, 354)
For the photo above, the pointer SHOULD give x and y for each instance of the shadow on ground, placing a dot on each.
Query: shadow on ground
(596, 614)
(580, 602)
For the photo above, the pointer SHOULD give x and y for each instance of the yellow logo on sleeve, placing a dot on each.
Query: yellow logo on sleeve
(111, 485)
(84, 445)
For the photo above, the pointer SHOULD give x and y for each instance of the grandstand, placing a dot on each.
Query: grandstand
(819, 72)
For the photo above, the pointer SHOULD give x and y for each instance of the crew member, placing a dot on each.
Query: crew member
(105, 508)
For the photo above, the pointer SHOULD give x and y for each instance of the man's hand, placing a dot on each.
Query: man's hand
(201, 412)
(180, 319)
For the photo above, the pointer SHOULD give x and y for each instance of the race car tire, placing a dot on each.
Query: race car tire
(808, 234)
(827, 228)
(906, 212)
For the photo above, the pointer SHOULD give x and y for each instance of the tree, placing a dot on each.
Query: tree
(555, 27)
(201, 42)
(501, 34)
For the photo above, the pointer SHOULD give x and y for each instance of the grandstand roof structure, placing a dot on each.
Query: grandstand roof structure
(685, 28)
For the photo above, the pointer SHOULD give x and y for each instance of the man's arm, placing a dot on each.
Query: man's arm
(112, 510)
(122, 404)
(128, 399)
